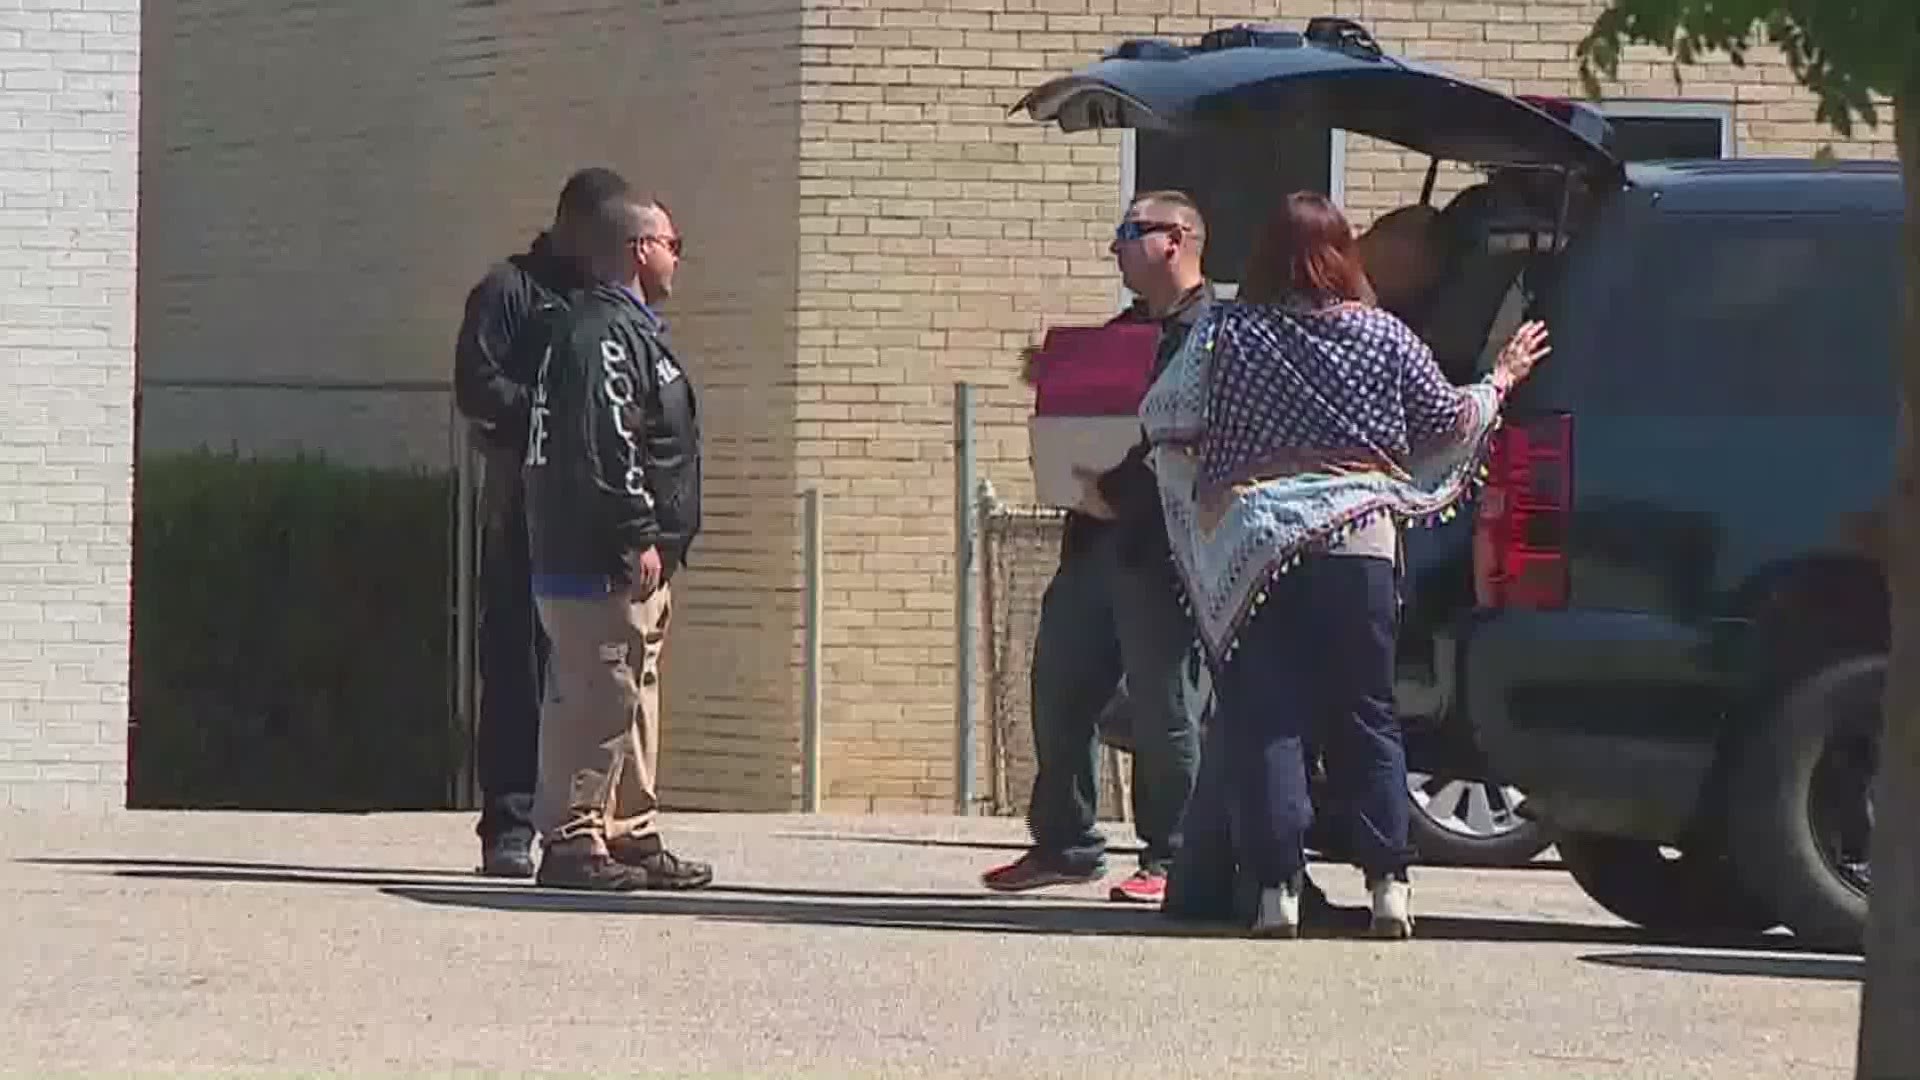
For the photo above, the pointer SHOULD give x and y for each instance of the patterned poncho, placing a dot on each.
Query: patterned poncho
(1277, 431)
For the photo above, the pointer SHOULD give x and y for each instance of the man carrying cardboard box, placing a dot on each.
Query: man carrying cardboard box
(1112, 609)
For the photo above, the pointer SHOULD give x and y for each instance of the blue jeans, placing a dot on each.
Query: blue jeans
(1104, 615)
(1315, 665)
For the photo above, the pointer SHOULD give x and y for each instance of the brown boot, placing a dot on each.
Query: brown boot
(574, 864)
(661, 868)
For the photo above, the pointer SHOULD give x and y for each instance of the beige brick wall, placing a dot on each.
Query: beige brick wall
(69, 147)
(938, 237)
(326, 182)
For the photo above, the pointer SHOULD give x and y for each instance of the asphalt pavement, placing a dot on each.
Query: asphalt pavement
(151, 944)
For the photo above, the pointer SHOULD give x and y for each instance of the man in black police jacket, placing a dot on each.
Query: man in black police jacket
(493, 397)
(613, 504)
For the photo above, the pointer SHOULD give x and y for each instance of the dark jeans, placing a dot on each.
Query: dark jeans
(1206, 882)
(1103, 617)
(513, 660)
(1316, 664)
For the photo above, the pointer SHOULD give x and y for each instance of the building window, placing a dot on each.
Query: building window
(1234, 178)
(1649, 130)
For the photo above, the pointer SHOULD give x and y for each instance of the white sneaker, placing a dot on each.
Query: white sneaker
(1392, 911)
(1278, 913)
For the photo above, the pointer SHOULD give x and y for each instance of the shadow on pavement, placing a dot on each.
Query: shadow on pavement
(337, 872)
(1013, 846)
(957, 911)
(1121, 850)
(981, 914)
(456, 882)
(1828, 968)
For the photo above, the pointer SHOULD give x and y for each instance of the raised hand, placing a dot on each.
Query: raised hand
(1527, 347)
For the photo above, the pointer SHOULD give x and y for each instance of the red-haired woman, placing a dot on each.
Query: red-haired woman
(1296, 430)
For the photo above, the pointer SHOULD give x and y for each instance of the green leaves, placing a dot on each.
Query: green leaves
(1850, 53)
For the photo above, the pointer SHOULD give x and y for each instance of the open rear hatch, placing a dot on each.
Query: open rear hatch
(1332, 74)
(1540, 154)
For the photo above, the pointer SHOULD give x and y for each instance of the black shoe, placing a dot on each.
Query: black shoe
(575, 865)
(509, 855)
(661, 868)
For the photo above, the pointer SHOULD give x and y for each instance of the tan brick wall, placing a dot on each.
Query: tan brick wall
(327, 182)
(69, 150)
(938, 237)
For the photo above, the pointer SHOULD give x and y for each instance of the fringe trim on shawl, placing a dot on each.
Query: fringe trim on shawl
(1326, 538)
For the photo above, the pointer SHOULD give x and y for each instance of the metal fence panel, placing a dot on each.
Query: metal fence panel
(1022, 549)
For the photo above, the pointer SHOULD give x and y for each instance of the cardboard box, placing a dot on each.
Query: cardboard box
(1088, 382)
(1062, 443)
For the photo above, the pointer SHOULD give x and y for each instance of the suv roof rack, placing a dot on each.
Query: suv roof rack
(1344, 35)
(1340, 35)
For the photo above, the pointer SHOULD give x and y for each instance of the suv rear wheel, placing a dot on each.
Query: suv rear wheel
(1470, 821)
(1800, 809)
(1651, 886)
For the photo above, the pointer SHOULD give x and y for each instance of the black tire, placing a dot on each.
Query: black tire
(1441, 845)
(1692, 893)
(1795, 838)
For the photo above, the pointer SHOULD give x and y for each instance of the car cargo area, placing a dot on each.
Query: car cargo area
(1501, 241)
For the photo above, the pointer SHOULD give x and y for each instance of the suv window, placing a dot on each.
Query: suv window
(1754, 315)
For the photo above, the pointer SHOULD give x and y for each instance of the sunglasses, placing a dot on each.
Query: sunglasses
(1134, 230)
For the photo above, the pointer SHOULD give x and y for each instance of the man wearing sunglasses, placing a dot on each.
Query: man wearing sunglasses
(1111, 609)
(613, 504)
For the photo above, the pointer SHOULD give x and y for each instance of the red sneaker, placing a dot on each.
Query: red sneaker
(1146, 886)
(1036, 871)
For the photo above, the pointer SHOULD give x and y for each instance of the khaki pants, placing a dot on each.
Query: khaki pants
(600, 722)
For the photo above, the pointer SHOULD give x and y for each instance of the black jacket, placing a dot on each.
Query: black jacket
(1130, 488)
(613, 448)
(487, 387)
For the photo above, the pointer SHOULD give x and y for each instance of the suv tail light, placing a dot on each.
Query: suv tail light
(1520, 532)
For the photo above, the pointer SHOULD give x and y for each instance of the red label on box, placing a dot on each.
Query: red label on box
(1095, 370)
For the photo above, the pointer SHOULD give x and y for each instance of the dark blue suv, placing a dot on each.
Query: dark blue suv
(1665, 618)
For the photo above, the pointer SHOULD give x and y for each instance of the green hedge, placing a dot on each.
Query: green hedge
(291, 636)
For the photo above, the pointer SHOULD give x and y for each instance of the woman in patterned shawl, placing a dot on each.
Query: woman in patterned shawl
(1298, 428)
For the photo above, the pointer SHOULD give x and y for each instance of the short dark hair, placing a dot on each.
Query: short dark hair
(586, 191)
(1182, 203)
(1170, 197)
(609, 225)
(1307, 251)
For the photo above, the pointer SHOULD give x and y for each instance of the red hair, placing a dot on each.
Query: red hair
(1306, 250)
